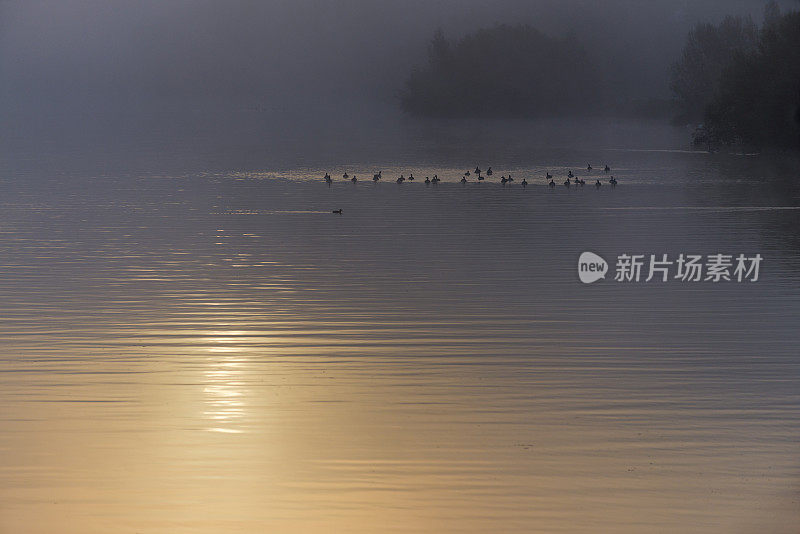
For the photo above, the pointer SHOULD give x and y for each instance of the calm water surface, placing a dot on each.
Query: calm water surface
(193, 343)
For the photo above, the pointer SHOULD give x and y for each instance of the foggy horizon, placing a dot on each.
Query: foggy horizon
(289, 55)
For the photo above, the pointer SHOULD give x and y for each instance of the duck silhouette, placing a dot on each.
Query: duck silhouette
(427, 180)
(377, 176)
(607, 169)
(489, 171)
(524, 182)
(566, 183)
(345, 176)
(463, 179)
(551, 183)
(411, 177)
(354, 179)
(598, 184)
(339, 211)
(588, 166)
(570, 175)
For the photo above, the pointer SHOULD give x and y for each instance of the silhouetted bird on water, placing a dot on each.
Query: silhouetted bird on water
(337, 211)
(566, 183)
(480, 178)
(548, 176)
(503, 180)
(377, 176)
(524, 182)
(570, 175)
(354, 179)
(510, 179)
(345, 176)
(328, 178)
(588, 166)
(597, 183)
(477, 170)
(612, 181)
(582, 182)
(607, 169)
(489, 171)
(411, 177)
(401, 179)
(435, 179)
(427, 180)
(552, 183)
(466, 173)
(463, 179)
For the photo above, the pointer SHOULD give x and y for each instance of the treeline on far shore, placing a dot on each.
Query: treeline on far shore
(738, 83)
(503, 71)
(741, 81)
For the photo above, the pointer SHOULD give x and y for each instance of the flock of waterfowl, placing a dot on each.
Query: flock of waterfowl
(572, 179)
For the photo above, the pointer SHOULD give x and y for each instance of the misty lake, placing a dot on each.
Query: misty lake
(193, 343)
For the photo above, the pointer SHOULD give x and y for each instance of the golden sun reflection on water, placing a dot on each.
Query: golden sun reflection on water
(224, 396)
(225, 393)
(336, 380)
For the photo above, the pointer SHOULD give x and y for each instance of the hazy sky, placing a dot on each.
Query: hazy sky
(284, 52)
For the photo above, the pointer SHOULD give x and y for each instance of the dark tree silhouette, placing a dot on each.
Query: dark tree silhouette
(503, 71)
(758, 98)
(709, 50)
